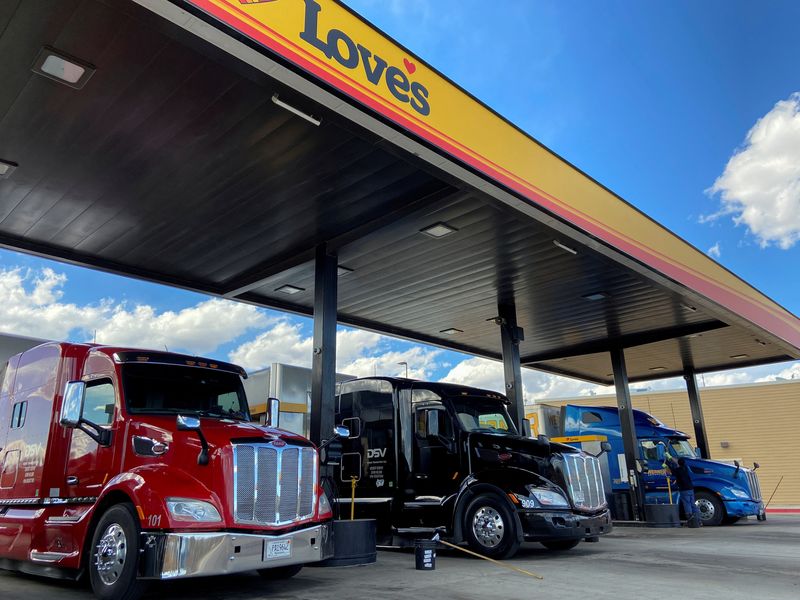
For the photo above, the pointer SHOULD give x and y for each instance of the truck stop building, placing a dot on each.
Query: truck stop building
(290, 155)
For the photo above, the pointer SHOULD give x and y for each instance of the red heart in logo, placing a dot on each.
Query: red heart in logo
(410, 66)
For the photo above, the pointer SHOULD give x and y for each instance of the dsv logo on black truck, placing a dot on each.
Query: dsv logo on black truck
(339, 46)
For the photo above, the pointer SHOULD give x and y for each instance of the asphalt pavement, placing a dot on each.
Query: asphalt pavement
(743, 561)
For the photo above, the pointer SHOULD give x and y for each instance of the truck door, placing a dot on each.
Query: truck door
(90, 465)
(654, 478)
(435, 460)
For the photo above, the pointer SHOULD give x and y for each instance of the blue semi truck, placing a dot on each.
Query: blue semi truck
(725, 493)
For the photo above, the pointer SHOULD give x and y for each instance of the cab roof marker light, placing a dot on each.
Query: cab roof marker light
(558, 244)
(310, 118)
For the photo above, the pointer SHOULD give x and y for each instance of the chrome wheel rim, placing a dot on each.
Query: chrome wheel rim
(706, 508)
(112, 549)
(488, 526)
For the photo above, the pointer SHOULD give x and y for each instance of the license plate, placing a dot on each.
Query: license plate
(278, 549)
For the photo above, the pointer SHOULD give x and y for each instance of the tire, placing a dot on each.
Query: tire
(712, 512)
(114, 555)
(490, 527)
(561, 545)
(280, 572)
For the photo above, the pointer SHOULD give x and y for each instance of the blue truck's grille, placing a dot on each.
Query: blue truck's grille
(755, 487)
(584, 481)
(273, 485)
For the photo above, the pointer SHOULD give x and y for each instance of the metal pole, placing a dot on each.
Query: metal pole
(510, 336)
(628, 427)
(323, 363)
(697, 413)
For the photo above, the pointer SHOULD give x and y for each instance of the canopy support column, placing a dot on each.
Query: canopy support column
(323, 363)
(629, 439)
(510, 336)
(697, 413)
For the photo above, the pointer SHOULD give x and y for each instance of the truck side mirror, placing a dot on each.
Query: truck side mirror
(273, 412)
(526, 428)
(187, 423)
(605, 447)
(756, 466)
(72, 407)
(697, 453)
(341, 431)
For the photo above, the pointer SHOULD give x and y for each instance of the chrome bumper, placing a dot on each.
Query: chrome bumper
(177, 555)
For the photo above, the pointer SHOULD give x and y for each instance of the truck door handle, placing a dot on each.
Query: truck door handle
(72, 480)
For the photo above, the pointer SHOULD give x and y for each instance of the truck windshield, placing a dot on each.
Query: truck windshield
(682, 448)
(175, 389)
(482, 414)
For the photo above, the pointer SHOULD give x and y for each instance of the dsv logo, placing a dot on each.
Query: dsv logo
(338, 46)
(376, 452)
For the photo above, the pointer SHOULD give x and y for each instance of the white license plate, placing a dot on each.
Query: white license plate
(278, 549)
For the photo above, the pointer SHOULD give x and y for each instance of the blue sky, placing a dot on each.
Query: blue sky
(653, 99)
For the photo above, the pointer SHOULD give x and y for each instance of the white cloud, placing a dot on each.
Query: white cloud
(33, 307)
(715, 251)
(790, 372)
(358, 353)
(488, 374)
(760, 186)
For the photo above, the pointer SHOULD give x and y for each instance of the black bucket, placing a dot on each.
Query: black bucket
(662, 515)
(425, 555)
(353, 542)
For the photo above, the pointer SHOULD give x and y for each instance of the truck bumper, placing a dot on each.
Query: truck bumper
(744, 508)
(177, 555)
(544, 526)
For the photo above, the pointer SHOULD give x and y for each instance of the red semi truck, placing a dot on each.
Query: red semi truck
(138, 465)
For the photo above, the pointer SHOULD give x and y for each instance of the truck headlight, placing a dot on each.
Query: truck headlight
(186, 509)
(740, 494)
(544, 498)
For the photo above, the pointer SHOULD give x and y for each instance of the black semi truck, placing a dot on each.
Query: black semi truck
(431, 457)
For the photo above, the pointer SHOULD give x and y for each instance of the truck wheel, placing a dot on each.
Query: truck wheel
(711, 510)
(490, 527)
(113, 556)
(280, 572)
(561, 545)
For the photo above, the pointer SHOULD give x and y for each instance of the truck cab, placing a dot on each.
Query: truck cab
(724, 492)
(425, 457)
(134, 465)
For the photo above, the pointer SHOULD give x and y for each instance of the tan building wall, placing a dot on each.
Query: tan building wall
(760, 422)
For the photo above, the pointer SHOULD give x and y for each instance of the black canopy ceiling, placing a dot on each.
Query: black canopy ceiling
(173, 164)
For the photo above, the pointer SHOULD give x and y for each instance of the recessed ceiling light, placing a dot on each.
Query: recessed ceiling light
(56, 65)
(342, 271)
(688, 307)
(762, 342)
(565, 248)
(6, 168)
(451, 331)
(290, 289)
(438, 230)
(658, 368)
(596, 296)
(740, 356)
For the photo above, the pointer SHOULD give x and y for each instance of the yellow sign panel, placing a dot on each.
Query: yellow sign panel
(337, 47)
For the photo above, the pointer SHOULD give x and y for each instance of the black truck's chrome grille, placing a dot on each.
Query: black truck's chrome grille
(755, 487)
(273, 485)
(584, 481)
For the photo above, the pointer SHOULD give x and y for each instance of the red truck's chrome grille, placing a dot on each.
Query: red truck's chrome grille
(273, 485)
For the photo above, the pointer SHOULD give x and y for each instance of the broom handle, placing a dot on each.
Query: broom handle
(491, 560)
